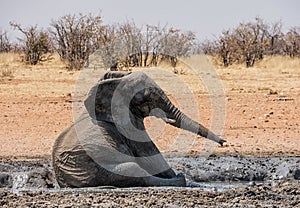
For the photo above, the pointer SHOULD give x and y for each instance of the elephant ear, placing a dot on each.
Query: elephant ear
(98, 101)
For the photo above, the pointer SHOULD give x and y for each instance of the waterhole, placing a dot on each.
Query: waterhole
(210, 174)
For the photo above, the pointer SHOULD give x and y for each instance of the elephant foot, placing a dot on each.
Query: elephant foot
(181, 180)
(178, 180)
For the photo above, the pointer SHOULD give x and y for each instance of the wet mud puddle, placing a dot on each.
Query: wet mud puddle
(209, 174)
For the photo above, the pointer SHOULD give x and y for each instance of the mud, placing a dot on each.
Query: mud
(212, 181)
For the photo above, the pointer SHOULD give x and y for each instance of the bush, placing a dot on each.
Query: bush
(36, 45)
(76, 37)
(249, 42)
(292, 42)
(5, 45)
(132, 46)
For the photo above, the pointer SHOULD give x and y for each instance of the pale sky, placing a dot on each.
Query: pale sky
(204, 17)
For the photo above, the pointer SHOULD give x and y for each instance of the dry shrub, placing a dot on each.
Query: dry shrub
(9, 58)
(36, 44)
(8, 64)
(6, 73)
(76, 37)
(5, 45)
(250, 42)
(146, 46)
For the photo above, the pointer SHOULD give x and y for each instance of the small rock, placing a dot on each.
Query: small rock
(297, 174)
(252, 183)
(5, 180)
(273, 92)
(250, 193)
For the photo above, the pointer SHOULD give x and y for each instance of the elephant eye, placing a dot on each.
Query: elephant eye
(138, 98)
(142, 96)
(147, 93)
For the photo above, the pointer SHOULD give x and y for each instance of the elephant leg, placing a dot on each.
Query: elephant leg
(156, 166)
(178, 180)
(131, 174)
(166, 174)
(151, 160)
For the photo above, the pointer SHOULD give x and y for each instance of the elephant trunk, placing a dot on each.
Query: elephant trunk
(178, 119)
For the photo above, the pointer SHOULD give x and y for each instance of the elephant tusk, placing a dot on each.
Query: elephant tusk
(168, 120)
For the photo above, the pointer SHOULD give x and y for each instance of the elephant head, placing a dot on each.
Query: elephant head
(126, 98)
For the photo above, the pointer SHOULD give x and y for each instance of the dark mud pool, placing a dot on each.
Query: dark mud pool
(212, 181)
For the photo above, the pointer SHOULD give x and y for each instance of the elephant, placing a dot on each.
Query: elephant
(108, 144)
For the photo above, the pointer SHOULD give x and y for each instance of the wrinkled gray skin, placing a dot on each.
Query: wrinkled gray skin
(108, 145)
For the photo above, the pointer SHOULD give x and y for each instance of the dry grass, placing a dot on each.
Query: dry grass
(15, 59)
(9, 58)
(54, 61)
(6, 73)
(8, 64)
(11, 65)
(279, 62)
(13, 62)
(269, 62)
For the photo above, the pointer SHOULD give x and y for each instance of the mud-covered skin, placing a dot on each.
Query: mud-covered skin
(109, 146)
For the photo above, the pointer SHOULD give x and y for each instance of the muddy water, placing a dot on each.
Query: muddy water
(212, 182)
(241, 169)
(210, 174)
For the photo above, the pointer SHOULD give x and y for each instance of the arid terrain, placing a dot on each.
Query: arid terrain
(261, 120)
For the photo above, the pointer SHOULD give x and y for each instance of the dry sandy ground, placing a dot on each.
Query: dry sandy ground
(262, 120)
(262, 110)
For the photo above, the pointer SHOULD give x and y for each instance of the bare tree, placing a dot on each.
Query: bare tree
(110, 46)
(156, 45)
(36, 44)
(134, 48)
(226, 48)
(246, 43)
(176, 44)
(251, 41)
(292, 42)
(131, 37)
(207, 47)
(5, 45)
(76, 37)
(151, 44)
(275, 39)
